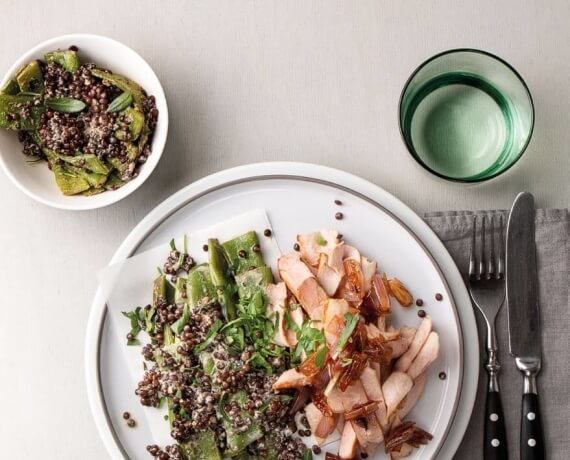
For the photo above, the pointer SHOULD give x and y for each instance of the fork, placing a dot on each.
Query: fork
(487, 291)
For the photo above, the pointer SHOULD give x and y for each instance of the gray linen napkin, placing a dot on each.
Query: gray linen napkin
(553, 253)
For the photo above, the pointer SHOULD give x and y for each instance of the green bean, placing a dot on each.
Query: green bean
(68, 59)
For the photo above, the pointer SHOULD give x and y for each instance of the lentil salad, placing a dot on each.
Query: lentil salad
(92, 127)
(211, 359)
(248, 366)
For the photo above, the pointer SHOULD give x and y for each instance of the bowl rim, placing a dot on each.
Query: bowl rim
(158, 145)
(410, 149)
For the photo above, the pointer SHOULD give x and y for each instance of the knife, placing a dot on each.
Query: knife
(524, 319)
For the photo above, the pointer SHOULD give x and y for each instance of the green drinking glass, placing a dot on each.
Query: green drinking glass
(466, 115)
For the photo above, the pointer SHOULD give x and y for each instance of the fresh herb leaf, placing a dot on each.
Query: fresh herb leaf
(320, 240)
(345, 362)
(259, 361)
(29, 94)
(150, 321)
(351, 321)
(290, 324)
(320, 358)
(172, 245)
(178, 326)
(134, 318)
(121, 102)
(309, 339)
(209, 338)
(65, 104)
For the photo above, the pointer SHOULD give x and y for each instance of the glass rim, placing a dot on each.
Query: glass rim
(410, 148)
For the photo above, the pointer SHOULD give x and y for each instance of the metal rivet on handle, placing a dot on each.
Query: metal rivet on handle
(495, 442)
(531, 442)
(531, 416)
(493, 417)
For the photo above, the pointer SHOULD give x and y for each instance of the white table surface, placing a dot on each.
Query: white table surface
(247, 81)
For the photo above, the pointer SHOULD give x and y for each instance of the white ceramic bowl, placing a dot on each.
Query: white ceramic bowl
(36, 180)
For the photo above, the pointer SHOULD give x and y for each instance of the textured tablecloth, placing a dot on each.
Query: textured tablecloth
(553, 253)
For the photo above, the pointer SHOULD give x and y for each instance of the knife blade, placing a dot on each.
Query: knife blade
(524, 318)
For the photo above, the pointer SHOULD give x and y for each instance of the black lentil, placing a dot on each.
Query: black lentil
(421, 313)
(442, 375)
(296, 247)
(438, 297)
(419, 302)
(131, 423)
(242, 253)
(126, 415)
(256, 248)
(338, 202)
(339, 216)
(267, 232)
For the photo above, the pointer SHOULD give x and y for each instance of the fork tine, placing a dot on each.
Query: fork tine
(491, 264)
(501, 250)
(472, 258)
(482, 267)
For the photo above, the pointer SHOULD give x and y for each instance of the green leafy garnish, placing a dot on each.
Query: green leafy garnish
(320, 358)
(134, 317)
(345, 362)
(209, 337)
(309, 339)
(121, 102)
(179, 324)
(150, 320)
(351, 321)
(65, 104)
(320, 240)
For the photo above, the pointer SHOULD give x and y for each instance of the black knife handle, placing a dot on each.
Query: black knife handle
(532, 437)
(495, 433)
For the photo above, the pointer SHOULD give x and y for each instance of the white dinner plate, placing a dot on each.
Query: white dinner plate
(300, 198)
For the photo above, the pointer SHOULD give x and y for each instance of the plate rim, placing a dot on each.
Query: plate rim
(362, 188)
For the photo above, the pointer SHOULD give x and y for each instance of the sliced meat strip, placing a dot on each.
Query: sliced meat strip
(328, 277)
(350, 252)
(395, 389)
(413, 396)
(399, 346)
(368, 430)
(312, 245)
(334, 400)
(314, 417)
(426, 356)
(368, 271)
(407, 332)
(333, 319)
(276, 304)
(348, 443)
(302, 284)
(311, 296)
(418, 341)
(354, 396)
(291, 378)
(371, 384)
